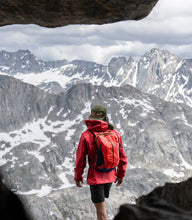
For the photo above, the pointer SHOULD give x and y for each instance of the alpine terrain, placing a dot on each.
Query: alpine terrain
(157, 72)
(42, 111)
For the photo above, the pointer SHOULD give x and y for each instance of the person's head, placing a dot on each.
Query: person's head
(99, 112)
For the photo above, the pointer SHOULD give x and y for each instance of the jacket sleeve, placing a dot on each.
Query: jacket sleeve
(80, 162)
(121, 169)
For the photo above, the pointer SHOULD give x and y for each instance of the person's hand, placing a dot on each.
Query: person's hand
(78, 184)
(119, 181)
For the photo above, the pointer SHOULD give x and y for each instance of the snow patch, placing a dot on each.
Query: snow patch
(172, 173)
(69, 166)
(44, 191)
(185, 163)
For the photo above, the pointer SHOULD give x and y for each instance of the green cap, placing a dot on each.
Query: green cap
(98, 112)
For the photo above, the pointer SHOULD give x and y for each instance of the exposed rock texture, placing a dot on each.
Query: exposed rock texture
(157, 72)
(177, 194)
(172, 201)
(52, 13)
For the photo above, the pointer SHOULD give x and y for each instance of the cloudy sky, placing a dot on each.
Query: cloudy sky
(168, 26)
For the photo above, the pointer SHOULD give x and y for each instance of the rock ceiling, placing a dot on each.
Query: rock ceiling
(55, 13)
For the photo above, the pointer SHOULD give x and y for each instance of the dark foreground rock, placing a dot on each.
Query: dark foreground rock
(52, 13)
(173, 201)
(11, 205)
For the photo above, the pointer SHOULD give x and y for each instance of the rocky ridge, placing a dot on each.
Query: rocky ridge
(157, 72)
(23, 61)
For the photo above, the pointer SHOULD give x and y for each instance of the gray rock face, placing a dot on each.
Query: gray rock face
(23, 61)
(157, 72)
(20, 103)
(59, 13)
(38, 145)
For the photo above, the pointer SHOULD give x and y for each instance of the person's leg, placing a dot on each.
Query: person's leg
(101, 211)
(98, 195)
(107, 188)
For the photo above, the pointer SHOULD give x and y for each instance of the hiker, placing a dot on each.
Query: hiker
(100, 182)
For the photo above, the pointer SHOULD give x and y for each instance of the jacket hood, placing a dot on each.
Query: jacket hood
(96, 125)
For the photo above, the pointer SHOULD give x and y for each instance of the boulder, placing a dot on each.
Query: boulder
(173, 201)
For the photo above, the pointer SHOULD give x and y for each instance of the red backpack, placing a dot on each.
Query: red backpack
(107, 153)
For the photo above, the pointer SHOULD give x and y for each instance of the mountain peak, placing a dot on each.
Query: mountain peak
(130, 60)
(158, 72)
(23, 61)
(117, 60)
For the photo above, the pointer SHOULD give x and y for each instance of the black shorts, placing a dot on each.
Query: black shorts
(100, 192)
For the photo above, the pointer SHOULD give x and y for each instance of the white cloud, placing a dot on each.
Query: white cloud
(168, 26)
(94, 53)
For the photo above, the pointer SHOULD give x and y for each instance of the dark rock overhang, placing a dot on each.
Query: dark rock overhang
(55, 13)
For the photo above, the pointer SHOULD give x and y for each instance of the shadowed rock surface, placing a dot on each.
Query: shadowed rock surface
(171, 202)
(11, 205)
(178, 194)
(52, 13)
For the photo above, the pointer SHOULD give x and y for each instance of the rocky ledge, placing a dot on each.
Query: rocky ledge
(173, 201)
(52, 13)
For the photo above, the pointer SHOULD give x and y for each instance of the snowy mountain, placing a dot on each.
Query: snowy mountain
(157, 72)
(23, 61)
(39, 134)
(166, 76)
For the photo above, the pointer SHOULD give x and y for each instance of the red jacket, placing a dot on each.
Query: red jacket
(86, 147)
